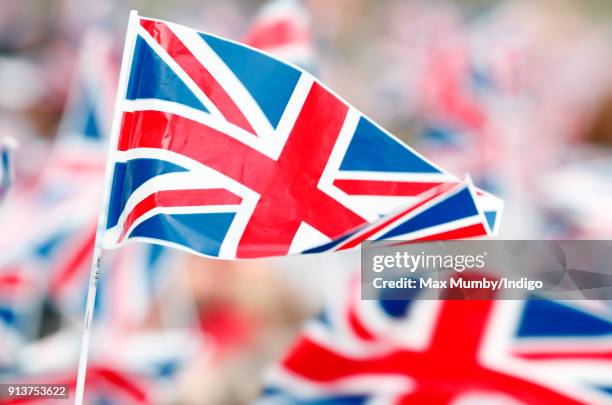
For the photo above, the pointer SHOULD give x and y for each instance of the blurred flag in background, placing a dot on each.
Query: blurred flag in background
(431, 351)
(283, 29)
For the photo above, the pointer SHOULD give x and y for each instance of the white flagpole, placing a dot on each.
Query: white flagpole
(96, 263)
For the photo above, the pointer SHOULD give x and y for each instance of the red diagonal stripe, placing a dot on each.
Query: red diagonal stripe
(288, 187)
(364, 236)
(293, 185)
(122, 382)
(179, 198)
(471, 231)
(197, 72)
(98, 378)
(212, 148)
(77, 260)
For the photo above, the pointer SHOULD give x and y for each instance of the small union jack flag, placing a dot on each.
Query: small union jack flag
(224, 151)
(531, 351)
(141, 368)
(83, 131)
(59, 238)
(106, 385)
(48, 234)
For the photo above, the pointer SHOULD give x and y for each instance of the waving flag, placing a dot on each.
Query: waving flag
(53, 239)
(142, 368)
(76, 164)
(107, 385)
(458, 127)
(227, 152)
(533, 351)
(53, 223)
(85, 124)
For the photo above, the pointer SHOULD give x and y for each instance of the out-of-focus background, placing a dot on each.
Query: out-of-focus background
(517, 93)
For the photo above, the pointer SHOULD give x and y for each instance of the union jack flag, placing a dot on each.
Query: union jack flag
(76, 163)
(531, 351)
(131, 369)
(106, 385)
(457, 125)
(48, 235)
(80, 153)
(224, 151)
(41, 269)
(85, 124)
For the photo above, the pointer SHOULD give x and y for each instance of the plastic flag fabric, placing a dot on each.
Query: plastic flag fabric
(224, 151)
(432, 352)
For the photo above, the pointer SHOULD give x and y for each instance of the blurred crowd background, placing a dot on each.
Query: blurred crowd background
(517, 93)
